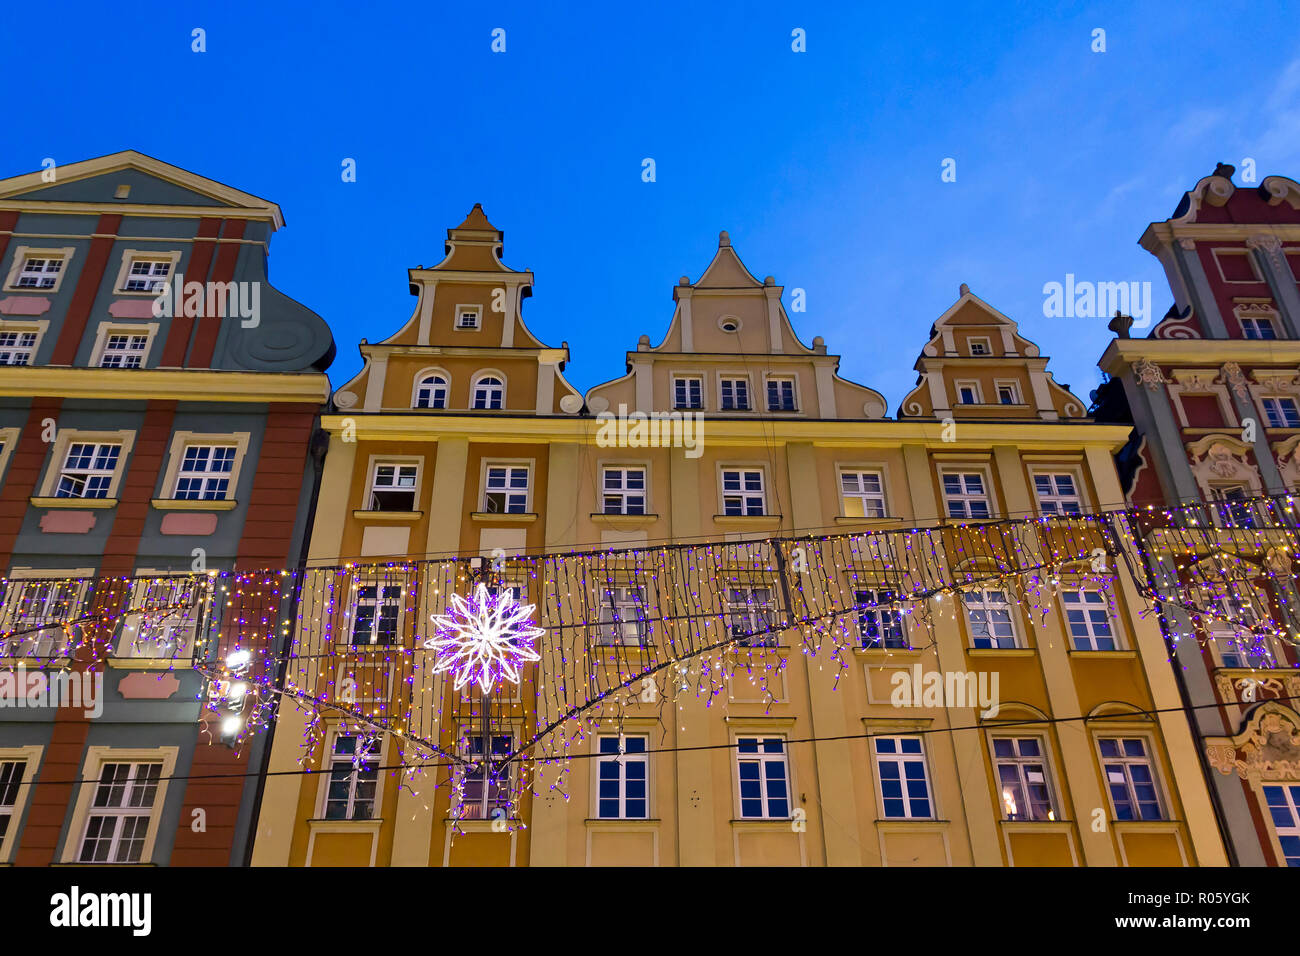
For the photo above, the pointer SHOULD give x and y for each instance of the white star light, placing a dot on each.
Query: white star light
(484, 639)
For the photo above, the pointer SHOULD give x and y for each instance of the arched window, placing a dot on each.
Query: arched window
(432, 392)
(489, 392)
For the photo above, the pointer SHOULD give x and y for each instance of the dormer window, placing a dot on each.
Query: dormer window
(432, 391)
(467, 317)
(979, 347)
(489, 393)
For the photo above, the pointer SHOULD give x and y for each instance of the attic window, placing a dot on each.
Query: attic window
(123, 192)
(467, 317)
(979, 347)
(729, 323)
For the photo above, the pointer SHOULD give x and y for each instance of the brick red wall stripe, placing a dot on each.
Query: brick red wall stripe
(205, 342)
(148, 460)
(182, 327)
(7, 222)
(23, 474)
(277, 488)
(83, 299)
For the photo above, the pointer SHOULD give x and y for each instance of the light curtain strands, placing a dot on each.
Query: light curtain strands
(636, 631)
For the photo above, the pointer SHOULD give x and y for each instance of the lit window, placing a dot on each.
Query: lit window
(124, 350)
(39, 273)
(1231, 506)
(735, 394)
(393, 487)
(147, 275)
(623, 491)
(485, 791)
(353, 777)
(764, 780)
(378, 609)
(879, 623)
(862, 494)
(901, 775)
(1284, 810)
(88, 470)
(164, 617)
(1282, 413)
(1130, 779)
(751, 616)
(688, 392)
(432, 392)
(205, 472)
(780, 395)
(489, 393)
(41, 617)
(1057, 494)
(1022, 777)
(622, 616)
(742, 492)
(120, 812)
(990, 619)
(506, 489)
(1087, 615)
(17, 348)
(622, 778)
(965, 496)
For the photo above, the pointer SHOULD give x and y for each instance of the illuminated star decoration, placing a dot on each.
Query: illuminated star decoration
(484, 639)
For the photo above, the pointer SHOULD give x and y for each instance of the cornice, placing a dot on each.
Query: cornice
(1202, 353)
(23, 381)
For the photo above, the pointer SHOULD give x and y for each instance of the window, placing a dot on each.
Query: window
(965, 495)
(39, 272)
(11, 779)
(147, 275)
(1008, 393)
(751, 616)
(1087, 615)
(1130, 779)
(1022, 775)
(506, 489)
(379, 606)
(622, 617)
(17, 347)
(88, 470)
(393, 487)
(688, 392)
(353, 777)
(622, 778)
(1282, 413)
(40, 617)
(489, 393)
(483, 792)
(900, 771)
(862, 494)
(1284, 809)
(166, 612)
(205, 472)
(1257, 328)
(120, 812)
(432, 392)
(124, 350)
(879, 624)
(968, 393)
(764, 783)
(1058, 494)
(1230, 633)
(742, 492)
(979, 346)
(780, 395)
(989, 616)
(1231, 505)
(734, 393)
(467, 317)
(623, 491)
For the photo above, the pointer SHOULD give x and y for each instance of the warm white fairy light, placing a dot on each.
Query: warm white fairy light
(484, 639)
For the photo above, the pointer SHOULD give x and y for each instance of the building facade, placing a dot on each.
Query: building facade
(1213, 391)
(158, 399)
(688, 534)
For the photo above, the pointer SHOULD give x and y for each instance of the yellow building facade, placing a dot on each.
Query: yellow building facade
(736, 668)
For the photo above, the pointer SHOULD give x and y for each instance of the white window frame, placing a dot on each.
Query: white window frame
(27, 351)
(687, 377)
(153, 615)
(729, 381)
(465, 309)
(381, 600)
(24, 253)
(1056, 497)
(988, 607)
(874, 603)
(1291, 797)
(760, 617)
(30, 758)
(966, 497)
(1255, 324)
(107, 330)
(1162, 801)
(980, 340)
(1225, 639)
(182, 440)
(793, 380)
(1011, 385)
(499, 390)
(976, 392)
(622, 760)
(622, 492)
(65, 439)
(420, 385)
(618, 622)
(330, 760)
(860, 493)
(1022, 765)
(92, 766)
(400, 465)
(471, 740)
(762, 759)
(744, 493)
(899, 759)
(68, 586)
(1281, 404)
(510, 464)
(131, 256)
(1088, 608)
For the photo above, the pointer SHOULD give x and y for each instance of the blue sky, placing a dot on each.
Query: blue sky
(823, 165)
